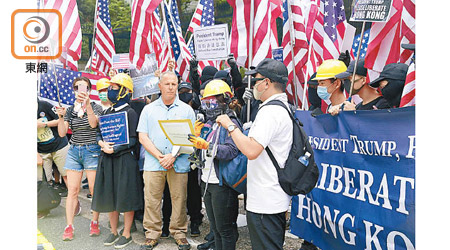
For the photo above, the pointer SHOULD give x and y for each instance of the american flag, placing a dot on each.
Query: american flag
(329, 29)
(203, 16)
(64, 78)
(104, 39)
(408, 29)
(264, 30)
(409, 91)
(71, 30)
(363, 44)
(142, 23)
(384, 41)
(156, 39)
(121, 61)
(299, 48)
(166, 52)
(180, 50)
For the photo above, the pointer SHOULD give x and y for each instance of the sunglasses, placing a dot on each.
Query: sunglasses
(255, 79)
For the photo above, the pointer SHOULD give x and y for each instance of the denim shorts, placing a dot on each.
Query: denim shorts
(82, 157)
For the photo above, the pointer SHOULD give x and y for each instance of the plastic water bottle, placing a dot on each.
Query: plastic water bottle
(304, 159)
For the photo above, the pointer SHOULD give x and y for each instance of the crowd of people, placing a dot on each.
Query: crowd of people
(149, 175)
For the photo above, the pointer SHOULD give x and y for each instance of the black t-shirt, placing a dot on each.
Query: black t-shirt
(379, 103)
(48, 139)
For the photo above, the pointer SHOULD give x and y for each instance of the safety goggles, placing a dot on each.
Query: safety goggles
(209, 104)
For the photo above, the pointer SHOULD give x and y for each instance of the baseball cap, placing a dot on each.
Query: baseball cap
(393, 71)
(409, 46)
(272, 69)
(186, 85)
(360, 69)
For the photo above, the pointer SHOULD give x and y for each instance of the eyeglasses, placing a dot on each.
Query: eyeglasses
(255, 79)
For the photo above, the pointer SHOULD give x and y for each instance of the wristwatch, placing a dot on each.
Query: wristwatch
(231, 128)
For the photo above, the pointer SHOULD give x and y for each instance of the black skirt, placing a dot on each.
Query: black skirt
(118, 184)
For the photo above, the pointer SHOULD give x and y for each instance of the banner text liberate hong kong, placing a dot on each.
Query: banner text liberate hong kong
(365, 196)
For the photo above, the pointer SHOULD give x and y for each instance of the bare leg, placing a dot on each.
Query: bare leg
(128, 220)
(113, 221)
(73, 188)
(90, 175)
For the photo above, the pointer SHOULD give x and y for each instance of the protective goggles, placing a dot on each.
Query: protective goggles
(210, 104)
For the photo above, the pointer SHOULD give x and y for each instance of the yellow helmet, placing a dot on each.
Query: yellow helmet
(217, 87)
(123, 80)
(329, 69)
(102, 83)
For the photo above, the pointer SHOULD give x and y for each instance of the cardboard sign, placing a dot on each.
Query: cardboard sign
(370, 10)
(114, 128)
(211, 42)
(277, 54)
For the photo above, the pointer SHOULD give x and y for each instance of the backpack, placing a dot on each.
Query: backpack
(296, 178)
(234, 172)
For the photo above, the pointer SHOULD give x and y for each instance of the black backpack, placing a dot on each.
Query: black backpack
(296, 178)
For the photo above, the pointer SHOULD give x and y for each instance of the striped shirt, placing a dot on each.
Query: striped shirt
(82, 133)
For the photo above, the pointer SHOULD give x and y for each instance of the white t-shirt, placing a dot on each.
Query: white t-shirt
(272, 127)
(209, 164)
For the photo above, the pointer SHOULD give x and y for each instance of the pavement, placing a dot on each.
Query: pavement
(52, 228)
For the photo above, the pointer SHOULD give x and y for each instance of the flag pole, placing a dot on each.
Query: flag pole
(291, 32)
(250, 52)
(305, 86)
(94, 32)
(356, 60)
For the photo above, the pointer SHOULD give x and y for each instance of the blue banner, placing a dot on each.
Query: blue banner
(114, 128)
(365, 195)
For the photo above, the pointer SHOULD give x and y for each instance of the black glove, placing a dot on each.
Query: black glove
(231, 60)
(345, 57)
(193, 63)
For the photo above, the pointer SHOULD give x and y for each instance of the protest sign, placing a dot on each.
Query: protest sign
(145, 85)
(211, 42)
(370, 10)
(149, 66)
(114, 128)
(365, 196)
(177, 131)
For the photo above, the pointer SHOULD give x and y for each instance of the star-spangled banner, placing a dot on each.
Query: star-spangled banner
(363, 44)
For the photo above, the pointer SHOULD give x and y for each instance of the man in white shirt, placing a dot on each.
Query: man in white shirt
(267, 203)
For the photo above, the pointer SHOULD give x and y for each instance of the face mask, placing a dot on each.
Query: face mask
(186, 97)
(103, 96)
(256, 93)
(323, 93)
(113, 95)
(393, 92)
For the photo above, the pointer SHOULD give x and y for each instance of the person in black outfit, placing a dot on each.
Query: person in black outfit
(391, 82)
(118, 187)
(371, 99)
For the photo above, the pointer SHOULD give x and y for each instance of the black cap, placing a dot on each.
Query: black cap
(409, 46)
(272, 69)
(208, 73)
(393, 71)
(311, 81)
(360, 69)
(186, 85)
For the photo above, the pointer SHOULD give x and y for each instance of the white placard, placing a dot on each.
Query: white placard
(211, 42)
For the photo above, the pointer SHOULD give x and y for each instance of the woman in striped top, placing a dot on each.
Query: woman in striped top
(82, 119)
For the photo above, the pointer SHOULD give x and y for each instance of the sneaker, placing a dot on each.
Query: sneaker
(89, 196)
(122, 242)
(149, 244)
(78, 209)
(68, 233)
(165, 233)
(207, 245)
(111, 239)
(183, 244)
(195, 230)
(95, 230)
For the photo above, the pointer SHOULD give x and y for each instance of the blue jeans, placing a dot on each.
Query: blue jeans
(221, 203)
(82, 157)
